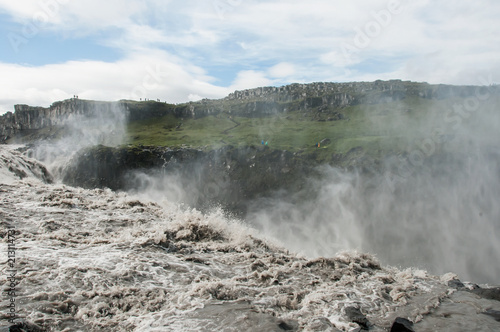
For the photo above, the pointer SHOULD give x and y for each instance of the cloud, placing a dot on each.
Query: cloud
(83, 16)
(251, 44)
(282, 70)
(157, 75)
(250, 79)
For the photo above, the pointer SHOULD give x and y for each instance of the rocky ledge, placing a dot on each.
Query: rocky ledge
(229, 176)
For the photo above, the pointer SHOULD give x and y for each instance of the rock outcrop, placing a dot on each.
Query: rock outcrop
(321, 97)
(228, 177)
(27, 119)
(344, 94)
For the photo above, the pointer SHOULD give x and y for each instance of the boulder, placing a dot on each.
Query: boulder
(356, 316)
(402, 325)
(455, 283)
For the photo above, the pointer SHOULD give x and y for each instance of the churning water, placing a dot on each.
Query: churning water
(97, 260)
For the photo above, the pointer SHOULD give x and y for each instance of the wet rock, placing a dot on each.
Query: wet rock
(240, 316)
(488, 293)
(25, 327)
(455, 283)
(356, 316)
(322, 324)
(288, 325)
(229, 177)
(495, 314)
(402, 325)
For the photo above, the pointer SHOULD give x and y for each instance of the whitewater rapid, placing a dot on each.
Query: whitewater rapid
(97, 260)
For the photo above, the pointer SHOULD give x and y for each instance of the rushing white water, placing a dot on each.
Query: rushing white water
(96, 260)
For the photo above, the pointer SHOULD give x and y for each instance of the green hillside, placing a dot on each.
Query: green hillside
(375, 129)
(349, 120)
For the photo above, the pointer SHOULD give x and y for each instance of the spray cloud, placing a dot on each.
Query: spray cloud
(434, 205)
(96, 123)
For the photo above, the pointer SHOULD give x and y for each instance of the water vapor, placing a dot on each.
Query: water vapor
(438, 211)
(102, 123)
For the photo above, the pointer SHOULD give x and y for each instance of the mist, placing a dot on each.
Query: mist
(167, 188)
(434, 206)
(104, 123)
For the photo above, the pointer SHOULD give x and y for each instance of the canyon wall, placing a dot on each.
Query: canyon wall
(252, 102)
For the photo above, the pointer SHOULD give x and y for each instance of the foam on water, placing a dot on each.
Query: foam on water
(96, 260)
(14, 166)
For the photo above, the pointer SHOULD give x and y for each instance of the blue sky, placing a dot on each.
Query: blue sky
(181, 50)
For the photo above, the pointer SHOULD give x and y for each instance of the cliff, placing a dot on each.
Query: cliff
(229, 177)
(27, 119)
(249, 103)
(347, 94)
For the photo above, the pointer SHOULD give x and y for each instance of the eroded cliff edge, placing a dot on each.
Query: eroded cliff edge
(314, 97)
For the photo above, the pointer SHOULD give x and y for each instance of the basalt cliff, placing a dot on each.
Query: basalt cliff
(314, 97)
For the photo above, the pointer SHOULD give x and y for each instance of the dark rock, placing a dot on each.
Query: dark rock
(356, 316)
(488, 293)
(229, 177)
(25, 327)
(495, 314)
(336, 116)
(455, 283)
(288, 326)
(402, 325)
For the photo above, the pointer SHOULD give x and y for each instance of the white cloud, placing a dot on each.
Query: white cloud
(72, 17)
(247, 79)
(153, 76)
(340, 58)
(443, 42)
(282, 70)
(25, 10)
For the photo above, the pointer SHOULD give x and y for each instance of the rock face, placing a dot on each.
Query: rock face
(488, 293)
(228, 176)
(495, 314)
(345, 94)
(319, 97)
(27, 118)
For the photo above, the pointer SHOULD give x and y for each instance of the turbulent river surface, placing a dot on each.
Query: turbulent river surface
(97, 260)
